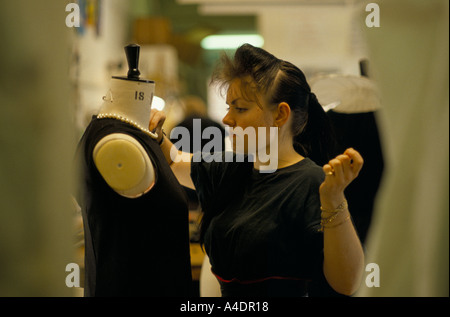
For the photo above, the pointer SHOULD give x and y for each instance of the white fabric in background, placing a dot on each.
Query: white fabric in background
(409, 235)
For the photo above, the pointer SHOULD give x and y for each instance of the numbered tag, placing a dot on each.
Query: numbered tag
(139, 95)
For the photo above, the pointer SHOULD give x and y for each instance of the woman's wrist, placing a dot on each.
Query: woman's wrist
(331, 202)
(331, 218)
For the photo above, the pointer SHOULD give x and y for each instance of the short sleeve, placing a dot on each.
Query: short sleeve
(205, 177)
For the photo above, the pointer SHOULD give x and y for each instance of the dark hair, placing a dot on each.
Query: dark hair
(281, 81)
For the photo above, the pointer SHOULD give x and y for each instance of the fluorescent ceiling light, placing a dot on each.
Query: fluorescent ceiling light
(231, 41)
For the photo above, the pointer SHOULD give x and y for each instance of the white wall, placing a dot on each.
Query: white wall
(409, 236)
(320, 39)
(315, 38)
(99, 55)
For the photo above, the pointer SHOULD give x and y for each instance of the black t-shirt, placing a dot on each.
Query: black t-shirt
(263, 238)
(133, 247)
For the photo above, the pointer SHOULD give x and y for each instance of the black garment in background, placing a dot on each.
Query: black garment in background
(360, 131)
(262, 226)
(188, 123)
(133, 247)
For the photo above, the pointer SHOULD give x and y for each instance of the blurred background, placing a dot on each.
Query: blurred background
(385, 83)
(181, 40)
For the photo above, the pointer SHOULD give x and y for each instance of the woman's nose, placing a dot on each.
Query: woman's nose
(228, 120)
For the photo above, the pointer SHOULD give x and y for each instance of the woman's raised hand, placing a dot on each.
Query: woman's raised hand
(339, 173)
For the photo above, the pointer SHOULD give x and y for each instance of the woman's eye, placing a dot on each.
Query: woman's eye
(238, 109)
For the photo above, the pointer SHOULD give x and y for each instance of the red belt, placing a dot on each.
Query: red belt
(235, 280)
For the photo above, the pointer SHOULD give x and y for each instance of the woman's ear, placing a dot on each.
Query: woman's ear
(282, 114)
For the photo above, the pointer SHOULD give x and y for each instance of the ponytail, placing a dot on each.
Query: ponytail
(317, 139)
(312, 129)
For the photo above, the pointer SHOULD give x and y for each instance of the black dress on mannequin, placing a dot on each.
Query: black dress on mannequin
(133, 247)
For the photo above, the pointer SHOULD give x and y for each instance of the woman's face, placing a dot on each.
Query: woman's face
(248, 115)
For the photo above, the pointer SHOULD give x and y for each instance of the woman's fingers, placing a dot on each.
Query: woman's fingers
(345, 167)
(356, 159)
(328, 170)
(157, 119)
(336, 165)
(339, 173)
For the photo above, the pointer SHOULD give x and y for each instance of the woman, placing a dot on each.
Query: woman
(271, 234)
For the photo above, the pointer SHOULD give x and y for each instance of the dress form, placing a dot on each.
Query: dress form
(129, 101)
(126, 184)
(121, 159)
